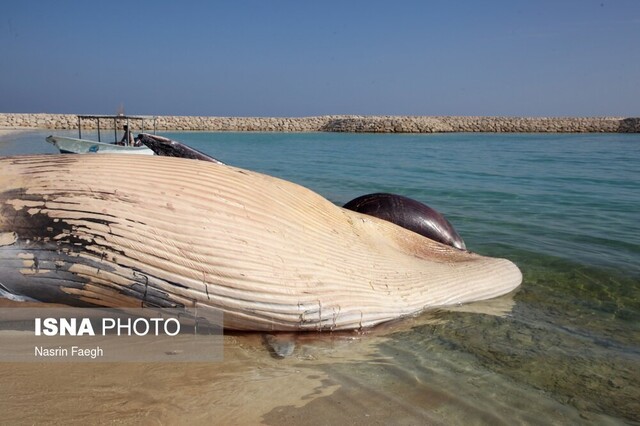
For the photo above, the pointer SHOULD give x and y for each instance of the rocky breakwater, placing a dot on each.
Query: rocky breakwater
(420, 124)
(245, 124)
(38, 121)
(346, 123)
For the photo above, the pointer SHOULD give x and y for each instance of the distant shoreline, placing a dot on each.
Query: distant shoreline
(346, 123)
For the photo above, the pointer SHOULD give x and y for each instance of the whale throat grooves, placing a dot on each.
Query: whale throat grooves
(113, 230)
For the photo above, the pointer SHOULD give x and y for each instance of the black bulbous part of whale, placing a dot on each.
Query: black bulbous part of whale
(409, 214)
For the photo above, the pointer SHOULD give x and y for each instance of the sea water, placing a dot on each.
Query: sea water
(564, 347)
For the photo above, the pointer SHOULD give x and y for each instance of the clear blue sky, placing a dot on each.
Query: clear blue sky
(301, 58)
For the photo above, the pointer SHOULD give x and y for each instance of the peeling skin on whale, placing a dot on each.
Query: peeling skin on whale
(8, 238)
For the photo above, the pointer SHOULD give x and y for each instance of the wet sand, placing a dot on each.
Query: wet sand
(381, 376)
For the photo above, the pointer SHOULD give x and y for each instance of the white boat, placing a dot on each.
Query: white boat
(68, 145)
(85, 146)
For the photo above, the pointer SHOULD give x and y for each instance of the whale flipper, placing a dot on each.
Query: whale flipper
(410, 214)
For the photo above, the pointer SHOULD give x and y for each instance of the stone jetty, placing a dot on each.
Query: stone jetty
(348, 123)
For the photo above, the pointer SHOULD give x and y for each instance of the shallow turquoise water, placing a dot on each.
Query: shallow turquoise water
(565, 208)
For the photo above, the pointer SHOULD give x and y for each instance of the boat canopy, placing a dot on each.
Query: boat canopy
(118, 121)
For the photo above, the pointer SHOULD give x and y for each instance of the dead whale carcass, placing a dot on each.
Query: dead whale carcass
(272, 255)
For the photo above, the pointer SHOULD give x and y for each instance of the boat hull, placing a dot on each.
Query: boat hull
(83, 146)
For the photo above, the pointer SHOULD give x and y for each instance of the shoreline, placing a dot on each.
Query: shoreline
(6, 131)
(344, 123)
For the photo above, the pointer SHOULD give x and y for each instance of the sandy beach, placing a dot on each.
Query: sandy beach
(351, 377)
(358, 378)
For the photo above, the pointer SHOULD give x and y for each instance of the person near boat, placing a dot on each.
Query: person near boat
(127, 138)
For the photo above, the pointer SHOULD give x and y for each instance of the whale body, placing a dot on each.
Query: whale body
(118, 231)
(398, 209)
